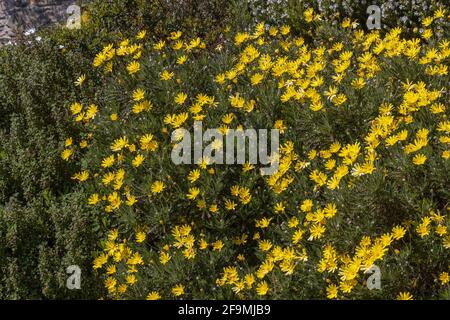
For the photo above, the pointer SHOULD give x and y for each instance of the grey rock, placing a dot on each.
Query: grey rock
(18, 16)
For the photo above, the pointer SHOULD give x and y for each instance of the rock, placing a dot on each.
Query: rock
(18, 16)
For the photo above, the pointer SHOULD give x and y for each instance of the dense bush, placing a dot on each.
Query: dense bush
(405, 13)
(36, 79)
(86, 176)
(41, 232)
(40, 240)
(160, 16)
(362, 181)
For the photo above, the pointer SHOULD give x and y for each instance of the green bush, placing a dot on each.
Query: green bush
(384, 188)
(405, 13)
(40, 240)
(45, 221)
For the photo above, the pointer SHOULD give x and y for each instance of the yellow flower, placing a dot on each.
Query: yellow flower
(347, 286)
(108, 178)
(427, 34)
(398, 232)
(193, 193)
(279, 207)
(79, 82)
(262, 288)
(230, 205)
(141, 106)
(122, 288)
(218, 245)
(330, 164)
(100, 261)
(441, 230)
(273, 31)
(220, 78)
(194, 175)
(249, 280)
(439, 13)
(285, 30)
(113, 234)
(308, 14)
(164, 257)
(203, 244)
(237, 101)
(108, 161)
(135, 259)
(91, 112)
(138, 94)
(307, 205)
(181, 60)
(265, 245)
(427, 21)
(111, 269)
(148, 143)
(181, 98)
(65, 155)
(119, 144)
(312, 154)
(178, 290)
(160, 45)
(131, 279)
(316, 231)
(133, 67)
(114, 200)
(189, 253)
(166, 75)
(141, 34)
(76, 108)
(404, 296)
(263, 223)
(153, 296)
(157, 187)
(83, 144)
(131, 200)
(81, 176)
(358, 83)
(140, 237)
(93, 199)
(256, 79)
(137, 161)
(419, 159)
(110, 284)
(332, 291)
(68, 142)
(99, 59)
(444, 278)
(241, 37)
(175, 35)
(177, 46)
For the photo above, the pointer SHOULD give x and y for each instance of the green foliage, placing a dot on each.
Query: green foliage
(33, 83)
(405, 13)
(397, 193)
(40, 240)
(46, 224)
(202, 17)
(42, 230)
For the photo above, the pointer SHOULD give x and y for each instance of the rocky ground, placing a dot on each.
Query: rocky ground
(17, 16)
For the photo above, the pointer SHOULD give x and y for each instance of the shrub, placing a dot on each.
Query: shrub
(404, 13)
(363, 162)
(40, 240)
(37, 233)
(86, 176)
(35, 81)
